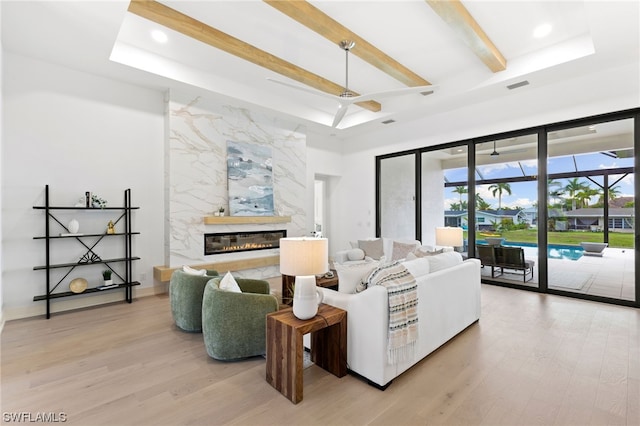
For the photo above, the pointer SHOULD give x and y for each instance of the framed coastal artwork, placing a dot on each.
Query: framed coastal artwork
(250, 179)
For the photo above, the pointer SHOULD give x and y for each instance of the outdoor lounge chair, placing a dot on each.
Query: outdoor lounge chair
(487, 257)
(513, 258)
(593, 249)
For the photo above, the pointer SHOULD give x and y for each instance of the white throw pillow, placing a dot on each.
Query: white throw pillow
(350, 275)
(189, 270)
(228, 283)
(355, 254)
(443, 260)
(417, 267)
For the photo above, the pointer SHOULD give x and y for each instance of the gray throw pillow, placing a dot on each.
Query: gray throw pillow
(372, 248)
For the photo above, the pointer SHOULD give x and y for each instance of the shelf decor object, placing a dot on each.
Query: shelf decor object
(73, 226)
(89, 241)
(78, 285)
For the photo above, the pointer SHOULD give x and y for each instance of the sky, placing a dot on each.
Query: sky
(524, 194)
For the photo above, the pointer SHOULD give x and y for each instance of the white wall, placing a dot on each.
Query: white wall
(76, 132)
(328, 165)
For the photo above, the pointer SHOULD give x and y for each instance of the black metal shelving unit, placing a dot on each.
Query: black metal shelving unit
(90, 257)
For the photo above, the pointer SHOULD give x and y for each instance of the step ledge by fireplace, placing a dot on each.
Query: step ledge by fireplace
(163, 273)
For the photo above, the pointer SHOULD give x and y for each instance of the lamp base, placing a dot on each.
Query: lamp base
(306, 297)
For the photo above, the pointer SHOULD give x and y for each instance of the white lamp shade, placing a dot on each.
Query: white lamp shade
(449, 236)
(304, 256)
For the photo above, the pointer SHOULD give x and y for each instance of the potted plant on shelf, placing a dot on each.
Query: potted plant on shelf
(97, 202)
(221, 211)
(106, 275)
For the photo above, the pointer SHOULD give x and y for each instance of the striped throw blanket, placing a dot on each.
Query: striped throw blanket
(403, 309)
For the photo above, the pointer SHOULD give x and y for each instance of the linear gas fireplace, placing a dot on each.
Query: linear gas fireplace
(229, 242)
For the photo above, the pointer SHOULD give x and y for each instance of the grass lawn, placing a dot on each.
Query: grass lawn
(616, 239)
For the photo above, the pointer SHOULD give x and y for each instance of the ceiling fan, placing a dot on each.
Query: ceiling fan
(495, 153)
(347, 97)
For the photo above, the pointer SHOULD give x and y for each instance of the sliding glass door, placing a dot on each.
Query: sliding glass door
(444, 193)
(506, 209)
(591, 210)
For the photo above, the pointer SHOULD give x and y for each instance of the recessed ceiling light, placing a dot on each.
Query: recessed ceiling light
(159, 36)
(542, 30)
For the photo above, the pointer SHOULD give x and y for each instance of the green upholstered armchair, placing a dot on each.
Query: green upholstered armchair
(185, 295)
(234, 324)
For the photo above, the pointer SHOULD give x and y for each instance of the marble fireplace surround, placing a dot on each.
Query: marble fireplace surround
(196, 184)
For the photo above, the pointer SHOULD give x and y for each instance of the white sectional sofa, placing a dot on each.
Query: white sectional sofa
(448, 302)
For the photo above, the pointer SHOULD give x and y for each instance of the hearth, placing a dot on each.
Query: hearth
(231, 242)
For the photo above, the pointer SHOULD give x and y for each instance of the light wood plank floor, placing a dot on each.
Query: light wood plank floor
(532, 359)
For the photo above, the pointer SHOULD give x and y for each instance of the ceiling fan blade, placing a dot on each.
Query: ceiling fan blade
(342, 110)
(306, 89)
(394, 92)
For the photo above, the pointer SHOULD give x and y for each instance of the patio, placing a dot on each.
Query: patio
(611, 275)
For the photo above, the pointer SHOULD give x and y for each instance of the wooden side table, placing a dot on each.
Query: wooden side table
(284, 347)
(288, 281)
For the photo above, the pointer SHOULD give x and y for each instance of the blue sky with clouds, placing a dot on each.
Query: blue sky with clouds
(524, 194)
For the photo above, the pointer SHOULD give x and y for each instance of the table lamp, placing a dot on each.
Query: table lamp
(304, 258)
(449, 236)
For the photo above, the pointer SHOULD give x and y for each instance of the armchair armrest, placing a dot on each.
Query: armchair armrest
(341, 256)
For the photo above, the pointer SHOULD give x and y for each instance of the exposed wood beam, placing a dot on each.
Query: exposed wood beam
(316, 20)
(177, 21)
(460, 20)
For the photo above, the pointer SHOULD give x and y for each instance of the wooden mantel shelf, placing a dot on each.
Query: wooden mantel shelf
(240, 220)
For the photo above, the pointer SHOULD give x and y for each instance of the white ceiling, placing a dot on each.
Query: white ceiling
(102, 37)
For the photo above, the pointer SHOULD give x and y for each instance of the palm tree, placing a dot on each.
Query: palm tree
(614, 192)
(555, 193)
(481, 204)
(500, 188)
(585, 195)
(572, 188)
(461, 190)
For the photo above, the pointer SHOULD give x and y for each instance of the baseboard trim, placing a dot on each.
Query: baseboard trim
(70, 304)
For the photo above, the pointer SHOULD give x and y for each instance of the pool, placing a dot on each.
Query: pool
(554, 251)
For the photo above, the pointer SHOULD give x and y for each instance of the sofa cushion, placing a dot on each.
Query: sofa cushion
(401, 250)
(352, 274)
(372, 248)
(228, 283)
(417, 267)
(355, 254)
(443, 260)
